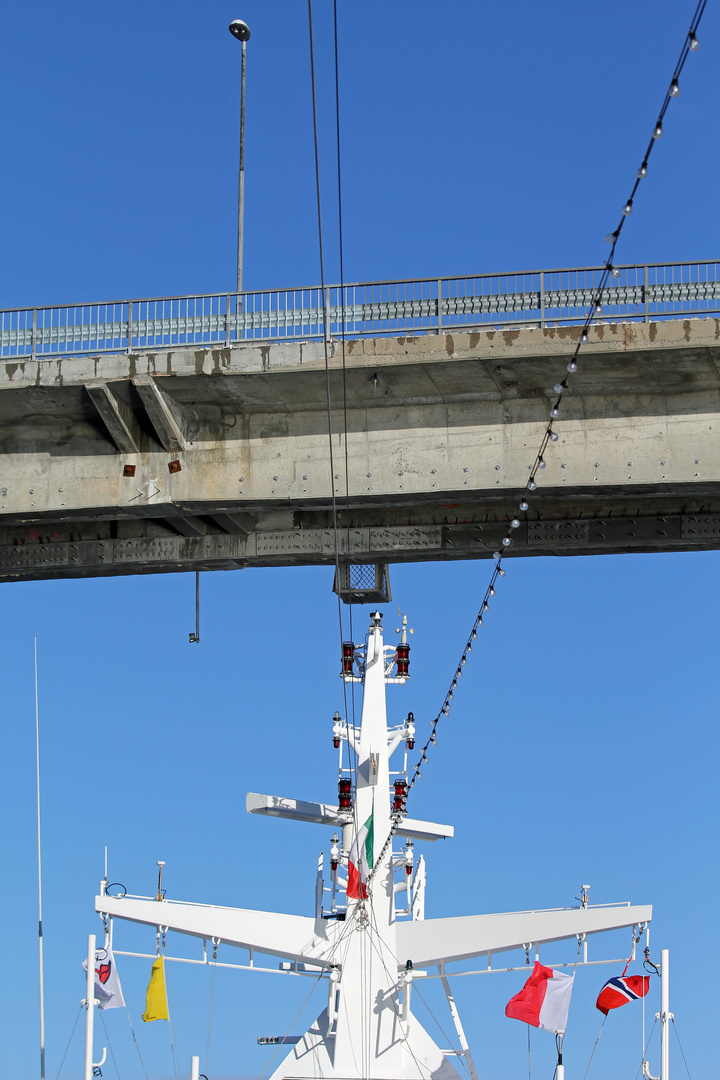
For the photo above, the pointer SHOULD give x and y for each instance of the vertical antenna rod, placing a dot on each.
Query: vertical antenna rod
(40, 932)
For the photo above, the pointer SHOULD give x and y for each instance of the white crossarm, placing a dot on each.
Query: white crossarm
(434, 941)
(324, 814)
(294, 937)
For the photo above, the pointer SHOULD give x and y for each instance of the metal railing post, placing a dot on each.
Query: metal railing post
(645, 296)
(542, 300)
(439, 306)
(33, 338)
(129, 325)
(227, 320)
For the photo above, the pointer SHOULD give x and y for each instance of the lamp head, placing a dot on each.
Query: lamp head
(239, 30)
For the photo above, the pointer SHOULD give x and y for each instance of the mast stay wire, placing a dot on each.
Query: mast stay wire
(342, 341)
(690, 44)
(326, 355)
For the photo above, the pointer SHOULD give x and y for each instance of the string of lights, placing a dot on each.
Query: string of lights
(691, 43)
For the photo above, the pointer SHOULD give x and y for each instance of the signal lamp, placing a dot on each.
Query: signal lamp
(348, 650)
(400, 795)
(345, 793)
(403, 658)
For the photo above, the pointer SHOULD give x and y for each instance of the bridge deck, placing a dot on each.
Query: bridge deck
(442, 429)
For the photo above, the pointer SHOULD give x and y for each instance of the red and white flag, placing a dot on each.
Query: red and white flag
(544, 1000)
(108, 992)
(360, 861)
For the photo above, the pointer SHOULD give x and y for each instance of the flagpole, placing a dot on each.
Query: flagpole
(89, 1008)
(40, 932)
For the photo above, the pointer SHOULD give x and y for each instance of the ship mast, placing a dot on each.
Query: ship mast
(367, 949)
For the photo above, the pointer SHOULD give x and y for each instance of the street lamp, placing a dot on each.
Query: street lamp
(241, 31)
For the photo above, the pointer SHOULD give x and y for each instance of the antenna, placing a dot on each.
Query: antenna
(159, 892)
(40, 933)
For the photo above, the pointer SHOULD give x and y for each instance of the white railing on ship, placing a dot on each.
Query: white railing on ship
(543, 298)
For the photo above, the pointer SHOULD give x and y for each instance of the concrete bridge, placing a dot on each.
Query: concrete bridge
(216, 456)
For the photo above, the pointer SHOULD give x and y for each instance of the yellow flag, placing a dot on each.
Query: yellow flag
(156, 1007)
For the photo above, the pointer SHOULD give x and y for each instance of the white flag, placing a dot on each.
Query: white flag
(108, 992)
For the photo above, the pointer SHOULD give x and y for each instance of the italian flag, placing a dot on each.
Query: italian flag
(360, 861)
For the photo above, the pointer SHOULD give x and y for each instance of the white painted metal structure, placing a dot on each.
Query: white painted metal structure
(370, 950)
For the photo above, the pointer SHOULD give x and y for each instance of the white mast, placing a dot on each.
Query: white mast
(367, 955)
(665, 1015)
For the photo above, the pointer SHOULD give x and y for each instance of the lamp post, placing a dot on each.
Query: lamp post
(241, 31)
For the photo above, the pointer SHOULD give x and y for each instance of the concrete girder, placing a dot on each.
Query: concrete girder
(441, 433)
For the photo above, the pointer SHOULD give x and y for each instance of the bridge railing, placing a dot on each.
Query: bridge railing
(430, 305)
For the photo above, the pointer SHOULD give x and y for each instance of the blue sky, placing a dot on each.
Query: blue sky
(583, 746)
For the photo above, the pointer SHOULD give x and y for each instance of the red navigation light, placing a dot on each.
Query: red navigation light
(348, 650)
(403, 659)
(400, 795)
(345, 793)
(336, 743)
(408, 869)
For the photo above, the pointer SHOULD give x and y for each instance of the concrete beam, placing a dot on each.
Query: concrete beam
(163, 414)
(235, 524)
(120, 422)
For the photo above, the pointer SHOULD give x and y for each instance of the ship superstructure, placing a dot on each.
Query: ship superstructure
(368, 938)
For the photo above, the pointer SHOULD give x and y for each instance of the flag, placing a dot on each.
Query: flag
(156, 1007)
(108, 992)
(360, 861)
(544, 1000)
(617, 992)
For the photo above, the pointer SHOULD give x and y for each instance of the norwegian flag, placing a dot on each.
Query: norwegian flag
(619, 991)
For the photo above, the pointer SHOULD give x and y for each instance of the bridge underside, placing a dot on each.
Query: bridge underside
(218, 458)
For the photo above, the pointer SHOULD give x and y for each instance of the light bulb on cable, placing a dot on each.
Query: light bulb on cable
(572, 366)
(541, 463)
(507, 541)
(616, 269)
(674, 88)
(491, 590)
(658, 132)
(501, 572)
(642, 171)
(611, 238)
(694, 43)
(559, 386)
(532, 486)
(554, 436)
(554, 412)
(583, 337)
(515, 523)
(524, 504)
(627, 208)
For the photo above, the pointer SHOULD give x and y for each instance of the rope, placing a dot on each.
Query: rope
(681, 1049)
(112, 1055)
(597, 1040)
(173, 1033)
(57, 1074)
(644, 1057)
(132, 1030)
(347, 926)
